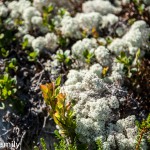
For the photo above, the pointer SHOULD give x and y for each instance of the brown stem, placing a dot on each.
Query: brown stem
(144, 130)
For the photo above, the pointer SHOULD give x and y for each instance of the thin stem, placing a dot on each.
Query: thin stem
(144, 130)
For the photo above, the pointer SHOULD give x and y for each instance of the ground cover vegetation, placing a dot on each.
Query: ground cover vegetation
(75, 74)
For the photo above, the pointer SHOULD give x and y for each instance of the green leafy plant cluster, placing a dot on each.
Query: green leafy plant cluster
(11, 65)
(139, 5)
(64, 57)
(99, 144)
(7, 86)
(47, 12)
(62, 145)
(7, 37)
(89, 56)
(131, 65)
(42, 145)
(24, 44)
(59, 110)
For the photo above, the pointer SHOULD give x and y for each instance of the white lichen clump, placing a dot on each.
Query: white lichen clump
(101, 6)
(97, 69)
(138, 34)
(29, 13)
(136, 37)
(95, 110)
(3, 10)
(80, 46)
(147, 2)
(39, 4)
(88, 21)
(70, 27)
(38, 44)
(51, 41)
(103, 56)
(110, 19)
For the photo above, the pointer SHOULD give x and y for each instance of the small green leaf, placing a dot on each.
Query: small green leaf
(6, 77)
(25, 43)
(4, 92)
(14, 90)
(33, 55)
(2, 106)
(57, 91)
(58, 81)
(138, 54)
(36, 148)
(99, 144)
(9, 92)
(50, 9)
(123, 55)
(2, 36)
(85, 53)
(62, 41)
(141, 8)
(131, 21)
(43, 143)
(62, 12)
(4, 52)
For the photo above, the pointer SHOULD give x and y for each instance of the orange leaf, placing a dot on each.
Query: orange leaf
(51, 88)
(44, 88)
(95, 33)
(60, 100)
(61, 96)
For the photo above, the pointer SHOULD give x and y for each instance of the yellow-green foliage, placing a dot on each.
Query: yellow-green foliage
(7, 86)
(59, 110)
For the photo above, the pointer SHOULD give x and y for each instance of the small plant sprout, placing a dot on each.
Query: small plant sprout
(131, 65)
(12, 64)
(32, 56)
(64, 57)
(89, 56)
(99, 144)
(25, 44)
